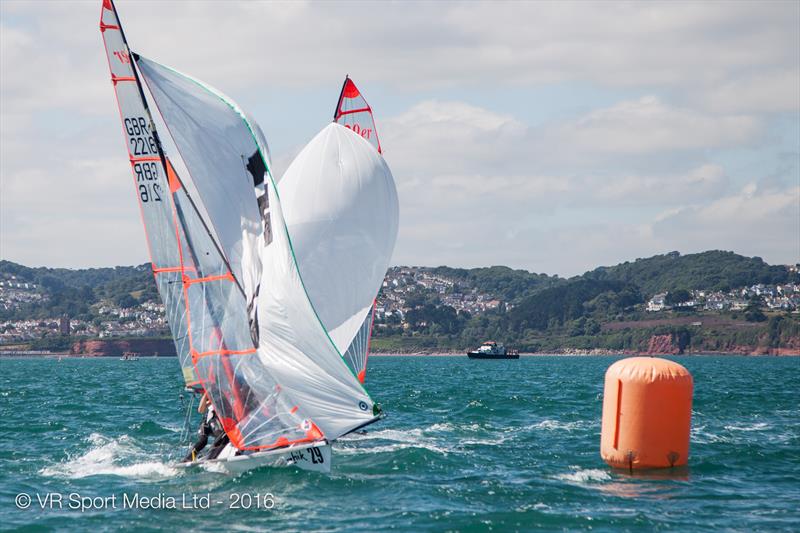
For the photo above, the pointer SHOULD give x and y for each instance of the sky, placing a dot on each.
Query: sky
(553, 137)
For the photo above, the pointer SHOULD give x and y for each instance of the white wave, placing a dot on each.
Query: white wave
(759, 426)
(558, 425)
(446, 426)
(699, 435)
(583, 476)
(115, 457)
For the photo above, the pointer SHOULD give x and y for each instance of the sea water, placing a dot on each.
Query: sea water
(467, 446)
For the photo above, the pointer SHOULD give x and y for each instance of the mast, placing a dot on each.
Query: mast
(339, 101)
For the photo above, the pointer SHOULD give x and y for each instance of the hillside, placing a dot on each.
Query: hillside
(63, 291)
(712, 270)
(740, 303)
(502, 282)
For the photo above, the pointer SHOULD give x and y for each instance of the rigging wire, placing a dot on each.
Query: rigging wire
(186, 430)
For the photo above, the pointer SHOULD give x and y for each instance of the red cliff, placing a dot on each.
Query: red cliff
(144, 347)
(662, 345)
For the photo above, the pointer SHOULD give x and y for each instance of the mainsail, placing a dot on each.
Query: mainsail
(291, 385)
(152, 191)
(353, 112)
(358, 351)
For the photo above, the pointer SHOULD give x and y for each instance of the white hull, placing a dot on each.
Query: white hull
(315, 457)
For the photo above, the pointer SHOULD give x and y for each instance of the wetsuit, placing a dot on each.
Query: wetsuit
(209, 428)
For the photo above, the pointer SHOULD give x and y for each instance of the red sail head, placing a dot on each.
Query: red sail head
(350, 90)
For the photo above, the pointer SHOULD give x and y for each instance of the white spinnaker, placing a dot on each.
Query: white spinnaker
(207, 129)
(294, 346)
(341, 209)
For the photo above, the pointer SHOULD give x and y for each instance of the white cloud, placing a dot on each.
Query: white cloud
(766, 221)
(768, 91)
(450, 137)
(698, 184)
(649, 125)
(477, 186)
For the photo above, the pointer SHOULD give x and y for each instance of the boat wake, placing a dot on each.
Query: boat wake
(391, 440)
(111, 457)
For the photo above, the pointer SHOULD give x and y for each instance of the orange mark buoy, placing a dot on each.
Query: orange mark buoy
(647, 414)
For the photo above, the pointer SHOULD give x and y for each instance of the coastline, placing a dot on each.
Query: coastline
(779, 352)
(164, 348)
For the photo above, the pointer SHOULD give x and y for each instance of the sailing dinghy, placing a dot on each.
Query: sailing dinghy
(226, 266)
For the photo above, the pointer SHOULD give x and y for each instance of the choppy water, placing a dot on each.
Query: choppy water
(468, 446)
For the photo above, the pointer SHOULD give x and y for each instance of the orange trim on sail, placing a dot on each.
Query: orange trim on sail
(142, 159)
(230, 427)
(172, 178)
(191, 281)
(350, 111)
(280, 442)
(117, 79)
(314, 432)
(224, 352)
(159, 270)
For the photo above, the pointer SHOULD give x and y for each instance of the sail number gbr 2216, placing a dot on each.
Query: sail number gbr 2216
(142, 144)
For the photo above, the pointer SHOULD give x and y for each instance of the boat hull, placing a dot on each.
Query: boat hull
(314, 456)
(481, 355)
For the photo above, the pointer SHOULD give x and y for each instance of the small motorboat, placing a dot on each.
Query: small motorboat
(493, 350)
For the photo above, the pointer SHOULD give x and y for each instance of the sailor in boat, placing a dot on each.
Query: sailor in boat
(210, 427)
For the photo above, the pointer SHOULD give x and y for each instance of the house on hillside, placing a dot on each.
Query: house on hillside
(657, 302)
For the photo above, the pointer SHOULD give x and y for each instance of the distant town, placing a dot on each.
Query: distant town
(775, 297)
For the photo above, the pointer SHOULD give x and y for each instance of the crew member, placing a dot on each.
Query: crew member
(210, 427)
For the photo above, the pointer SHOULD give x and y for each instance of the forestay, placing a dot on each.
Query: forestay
(341, 209)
